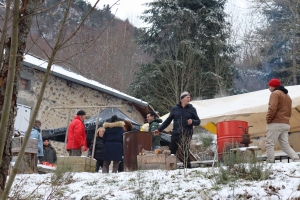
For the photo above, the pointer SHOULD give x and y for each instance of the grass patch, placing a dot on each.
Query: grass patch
(239, 165)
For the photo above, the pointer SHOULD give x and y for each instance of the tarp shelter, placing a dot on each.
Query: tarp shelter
(251, 107)
(58, 134)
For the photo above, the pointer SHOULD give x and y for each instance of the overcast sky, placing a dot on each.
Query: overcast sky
(132, 9)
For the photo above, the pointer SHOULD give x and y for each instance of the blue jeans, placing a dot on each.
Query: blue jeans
(155, 147)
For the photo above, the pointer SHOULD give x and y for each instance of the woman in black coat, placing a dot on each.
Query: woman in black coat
(99, 147)
(113, 144)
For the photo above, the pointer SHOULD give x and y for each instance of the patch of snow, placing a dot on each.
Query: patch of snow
(160, 184)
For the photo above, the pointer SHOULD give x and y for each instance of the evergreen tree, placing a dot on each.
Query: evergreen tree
(188, 42)
(281, 36)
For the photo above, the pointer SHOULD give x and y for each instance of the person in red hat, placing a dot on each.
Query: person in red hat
(278, 116)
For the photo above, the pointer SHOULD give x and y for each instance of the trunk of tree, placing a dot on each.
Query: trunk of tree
(294, 64)
(4, 29)
(28, 7)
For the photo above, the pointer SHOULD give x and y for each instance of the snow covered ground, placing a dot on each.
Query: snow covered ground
(284, 183)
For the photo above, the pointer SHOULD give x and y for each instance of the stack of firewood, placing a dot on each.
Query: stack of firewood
(156, 151)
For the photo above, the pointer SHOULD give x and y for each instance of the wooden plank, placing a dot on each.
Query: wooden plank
(151, 158)
(31, 147)
(77, 163)
(147, 166)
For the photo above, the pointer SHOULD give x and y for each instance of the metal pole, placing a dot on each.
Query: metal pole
(66, 136)
(70, 107)
(98, 116)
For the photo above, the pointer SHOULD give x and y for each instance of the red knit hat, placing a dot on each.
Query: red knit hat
(274, 82)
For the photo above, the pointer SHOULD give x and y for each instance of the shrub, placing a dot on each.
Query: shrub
(237, 165)
(206, 139)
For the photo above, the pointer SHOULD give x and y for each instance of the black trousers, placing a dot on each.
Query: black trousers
(75, 152)
(99, 164)
(177, 141)
(121, 166)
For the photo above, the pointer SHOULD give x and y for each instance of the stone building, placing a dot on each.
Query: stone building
(65, 88)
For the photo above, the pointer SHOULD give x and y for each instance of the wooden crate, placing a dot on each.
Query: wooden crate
(171, 162)
(156, 161)
(77, 163)
(31, 147)
(28, 164)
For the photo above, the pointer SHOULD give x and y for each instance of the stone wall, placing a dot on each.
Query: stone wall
(61, 92)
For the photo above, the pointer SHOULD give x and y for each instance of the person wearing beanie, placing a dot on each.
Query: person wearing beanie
(77, 142)
(49, 152)
(184, 117)
(278, 116)
(113, 144)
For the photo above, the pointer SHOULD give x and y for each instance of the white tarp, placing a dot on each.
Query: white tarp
(251, 107)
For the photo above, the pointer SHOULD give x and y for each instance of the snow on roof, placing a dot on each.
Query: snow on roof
(56, 70)
(252, 102)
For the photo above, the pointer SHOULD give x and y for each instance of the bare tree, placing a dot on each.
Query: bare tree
(63, 38)
(183, 148)
(110, 58)
(26, 12)
(280, 51)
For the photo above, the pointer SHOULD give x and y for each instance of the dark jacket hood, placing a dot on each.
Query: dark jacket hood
(179, 104)
(282, 88)
(157, 120)
(49, 146)
(37, 128)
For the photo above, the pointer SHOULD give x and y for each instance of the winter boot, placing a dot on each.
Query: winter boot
(105, 166)
(115, 166)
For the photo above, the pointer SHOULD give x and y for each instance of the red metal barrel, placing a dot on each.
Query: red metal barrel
(229, 134)
(133, 144)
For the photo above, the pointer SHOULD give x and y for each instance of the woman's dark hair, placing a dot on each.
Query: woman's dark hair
(128, 125)
(114, 118)
(151, 114)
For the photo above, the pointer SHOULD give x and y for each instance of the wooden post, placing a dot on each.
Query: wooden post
(66, 136)
(97, 122)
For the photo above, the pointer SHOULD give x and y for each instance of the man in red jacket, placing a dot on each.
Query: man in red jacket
(76, 135)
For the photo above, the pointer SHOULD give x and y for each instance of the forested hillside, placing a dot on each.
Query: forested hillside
(109, 56)
(188, 45)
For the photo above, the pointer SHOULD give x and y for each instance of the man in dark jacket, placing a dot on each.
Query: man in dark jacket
(153, 125)
(184, 117)
(49, 152)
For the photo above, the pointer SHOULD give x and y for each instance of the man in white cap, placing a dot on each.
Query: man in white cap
(184, 117)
